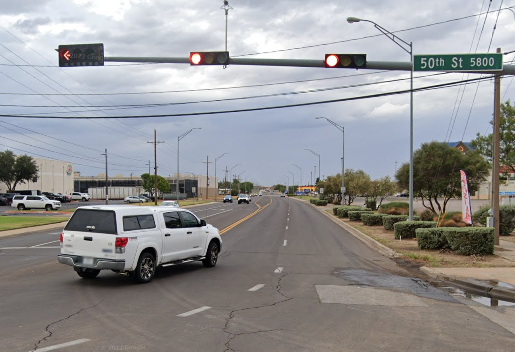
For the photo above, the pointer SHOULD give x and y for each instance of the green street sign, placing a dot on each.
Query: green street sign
(458, 62)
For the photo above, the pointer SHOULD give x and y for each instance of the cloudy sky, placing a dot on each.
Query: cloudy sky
(266, 143)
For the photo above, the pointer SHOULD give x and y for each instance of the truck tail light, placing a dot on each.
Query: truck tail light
(120, 244)
(61, 237)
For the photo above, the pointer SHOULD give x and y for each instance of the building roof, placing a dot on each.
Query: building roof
(456, 144)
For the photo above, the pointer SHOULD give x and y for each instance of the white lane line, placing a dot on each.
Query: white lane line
(66, 344)
(29, 247)
(225, 211)
(194, 311)
(285, 243)
(279, 270)
(42, 244)
(54, 233)
(286, 227)
(257, 287)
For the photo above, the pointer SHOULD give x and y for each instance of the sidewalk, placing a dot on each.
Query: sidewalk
(498, 282)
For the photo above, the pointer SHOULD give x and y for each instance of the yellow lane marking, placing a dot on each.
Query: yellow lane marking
(230, 227)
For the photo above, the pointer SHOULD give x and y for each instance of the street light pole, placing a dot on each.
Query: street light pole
(293, 180)
(341, 128)
(216, 193)
(231, 175)
(287, 185)
(178, 140)
(298, 167)
(401, 43)
(318, 155)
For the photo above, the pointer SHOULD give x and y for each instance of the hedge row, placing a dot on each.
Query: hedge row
(390, 220)
(466, 241)
(372, 219)
(394, 208)
(343, 212)
(355, 215)
(319, 202)
(406, 229)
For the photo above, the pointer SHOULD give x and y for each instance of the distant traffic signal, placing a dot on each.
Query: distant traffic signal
(209, 58)
(346, 60)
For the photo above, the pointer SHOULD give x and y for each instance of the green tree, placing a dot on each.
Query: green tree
(246, 187)
(148, 183)
(16, 169)
(484, 144)
(280, 188)
(436, 174)
(381, 189)
(356, 183)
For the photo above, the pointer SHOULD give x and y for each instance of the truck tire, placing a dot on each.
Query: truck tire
(211, 255)
(84, 199)
(87, 273)
(21, 207)
(48, 207)
(145, 269)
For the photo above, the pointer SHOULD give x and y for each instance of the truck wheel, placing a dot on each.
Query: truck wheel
(87, 273)
(145, 269)
(84, 199)
(48, 207)
(21, 207)
(211, 255)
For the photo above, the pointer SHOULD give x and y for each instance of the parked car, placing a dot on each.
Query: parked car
(3, 201)
(80, 196)
(34, 202)
(9, 197)
(133, 199)
(49, 195)
(169, 203)
(65, 198)
(227, 198)
(243, 198)
(135, 240)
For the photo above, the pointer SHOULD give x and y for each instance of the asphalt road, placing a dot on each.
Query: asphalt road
(288, 279)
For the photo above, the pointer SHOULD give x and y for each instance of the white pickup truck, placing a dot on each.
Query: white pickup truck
(135, 240)
(80, 196)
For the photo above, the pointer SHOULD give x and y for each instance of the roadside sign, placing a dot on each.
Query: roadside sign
(81, 55)
(458, 62)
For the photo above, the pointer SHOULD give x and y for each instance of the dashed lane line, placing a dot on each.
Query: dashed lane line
(257, 287)
(42, 244)
(279, 270)
(285, 243)
(62, 345)
(194, 311)
(245, 218)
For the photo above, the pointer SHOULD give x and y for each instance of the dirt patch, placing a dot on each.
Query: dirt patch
(414, 257)
(510, 238)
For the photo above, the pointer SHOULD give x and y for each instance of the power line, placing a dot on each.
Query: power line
(432, 87)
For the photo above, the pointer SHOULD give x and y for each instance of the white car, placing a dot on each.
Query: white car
(133, 199)
(243, 198)
(135, 240)
(34, 202)
(80, 196)
(169, 203)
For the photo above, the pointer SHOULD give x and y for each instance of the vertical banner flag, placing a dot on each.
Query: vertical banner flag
(465, 199)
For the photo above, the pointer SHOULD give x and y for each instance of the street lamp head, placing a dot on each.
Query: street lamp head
(197, 128)
(353, 19)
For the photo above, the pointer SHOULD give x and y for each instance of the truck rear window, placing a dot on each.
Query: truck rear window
(137, 222)
(90, 220)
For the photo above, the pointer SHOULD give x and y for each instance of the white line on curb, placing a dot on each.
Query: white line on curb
(285, 242)
(279, 270)
(66, 344)
(194, 311)
(257, 287)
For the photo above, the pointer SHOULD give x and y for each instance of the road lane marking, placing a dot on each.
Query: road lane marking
(225, 211)
(257, 287)
(286, 227)
(54, 233)
(285, 242)
(244, 219)
(2, 248)
(279, 270)
(61, 345)
(194, 311)
(42, 244)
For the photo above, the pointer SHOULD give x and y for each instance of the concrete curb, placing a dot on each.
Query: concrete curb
(477, 286)
(387, 252)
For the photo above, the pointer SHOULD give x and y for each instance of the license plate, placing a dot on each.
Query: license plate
(87, 261)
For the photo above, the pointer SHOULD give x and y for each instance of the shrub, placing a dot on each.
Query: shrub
(335, 210)
(406, 229)
(452, 223)
(355, 215)
(320, 202)
(431, 238)
(472, 240)
(480, 216)
(343, 212)
(394, 208)
(457, 217)
(389, 220)
(371, 204)
(372, 219)
(427, 215)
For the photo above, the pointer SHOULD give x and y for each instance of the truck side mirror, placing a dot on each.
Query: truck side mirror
(203, 223)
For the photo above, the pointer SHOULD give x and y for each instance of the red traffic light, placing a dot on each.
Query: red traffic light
(346, 60)
(209, 58)
(331, 60)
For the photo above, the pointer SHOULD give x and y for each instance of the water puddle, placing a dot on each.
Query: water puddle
(484, 300)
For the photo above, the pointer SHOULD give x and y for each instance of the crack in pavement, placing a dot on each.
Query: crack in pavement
(232, 336)
(47, 328)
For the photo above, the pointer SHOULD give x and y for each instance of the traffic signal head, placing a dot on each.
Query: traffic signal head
(209, 58)
(346, 60)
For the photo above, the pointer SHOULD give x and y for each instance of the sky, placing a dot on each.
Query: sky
(266, 147)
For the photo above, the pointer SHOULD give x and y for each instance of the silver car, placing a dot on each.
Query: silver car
(169, 203)
(133, 199)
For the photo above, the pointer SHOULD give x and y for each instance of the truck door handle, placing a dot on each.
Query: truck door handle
(88, 238)
(167, 234)
(189, 232)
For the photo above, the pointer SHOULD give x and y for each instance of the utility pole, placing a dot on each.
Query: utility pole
(225, 183)
(207, 175)
(107, 187)
(216, 193)
(496, 156)
(156, 142)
